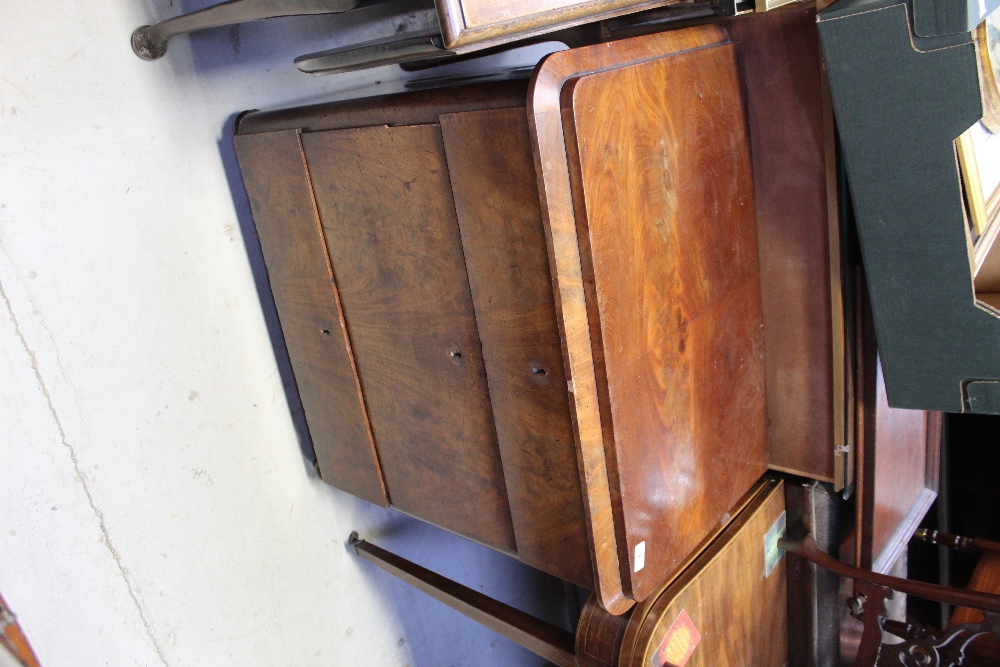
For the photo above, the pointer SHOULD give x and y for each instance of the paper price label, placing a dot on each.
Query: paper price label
(679, 643)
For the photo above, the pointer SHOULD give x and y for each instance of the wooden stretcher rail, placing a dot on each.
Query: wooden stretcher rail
(807, 548)
(544, 639)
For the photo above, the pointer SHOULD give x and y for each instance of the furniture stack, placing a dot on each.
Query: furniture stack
(608, 320)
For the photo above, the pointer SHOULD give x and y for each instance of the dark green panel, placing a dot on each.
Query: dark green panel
(899, 111)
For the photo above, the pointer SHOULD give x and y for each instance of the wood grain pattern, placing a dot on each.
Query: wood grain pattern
(599, 635)
(804, 360)
(740, 612)
(555, 190)
(306, 298)
(670, 252)
(898, 457)
(496, 198)
(991, 299)
(898, 473)
(384, 200)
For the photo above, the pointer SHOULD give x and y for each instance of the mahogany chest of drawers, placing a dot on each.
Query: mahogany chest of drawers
(530, 314)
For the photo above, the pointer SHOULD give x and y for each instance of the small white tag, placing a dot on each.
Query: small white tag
(640, 556)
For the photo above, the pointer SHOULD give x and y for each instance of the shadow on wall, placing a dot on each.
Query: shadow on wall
(242, 53)
(253, 44)
(241, 203)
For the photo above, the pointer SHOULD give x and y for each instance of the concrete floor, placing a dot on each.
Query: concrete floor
(157, 506)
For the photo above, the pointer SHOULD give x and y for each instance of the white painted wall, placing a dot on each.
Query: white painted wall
(156, 507)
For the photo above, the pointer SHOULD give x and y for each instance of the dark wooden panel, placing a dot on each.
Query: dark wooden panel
(305, 295)
(781, 67)
(599, 634)
(496, 198)
(897, 479)
(557, 195)
(385, 202)
(898, 457)
(669, 215)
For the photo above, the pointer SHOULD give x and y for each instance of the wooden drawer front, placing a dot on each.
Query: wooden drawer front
(385, 203)
(496, 197)
(274, 171)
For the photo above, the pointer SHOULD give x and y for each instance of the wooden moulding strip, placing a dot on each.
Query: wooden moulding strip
(557, 198)
(843, 468)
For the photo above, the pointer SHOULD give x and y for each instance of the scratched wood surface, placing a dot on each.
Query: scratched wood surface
(496, 198)
(671, 255)
(739, 610)
(799, 267)
(386, 207)
(557, 195)
(306, 298)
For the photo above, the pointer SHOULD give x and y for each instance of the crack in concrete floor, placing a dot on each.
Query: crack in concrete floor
(83, 481)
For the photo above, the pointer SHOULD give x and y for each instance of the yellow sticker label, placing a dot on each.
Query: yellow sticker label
(679, 643)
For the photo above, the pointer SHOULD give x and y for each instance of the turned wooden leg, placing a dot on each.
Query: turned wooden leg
(150, 41)
(541, 638)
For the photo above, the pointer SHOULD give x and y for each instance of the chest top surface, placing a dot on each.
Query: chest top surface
(642, 147)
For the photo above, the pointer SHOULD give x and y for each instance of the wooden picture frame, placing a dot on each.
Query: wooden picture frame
(982, 193)
(980, 143)
(983, 203)
(982, 196)
(979, 160)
